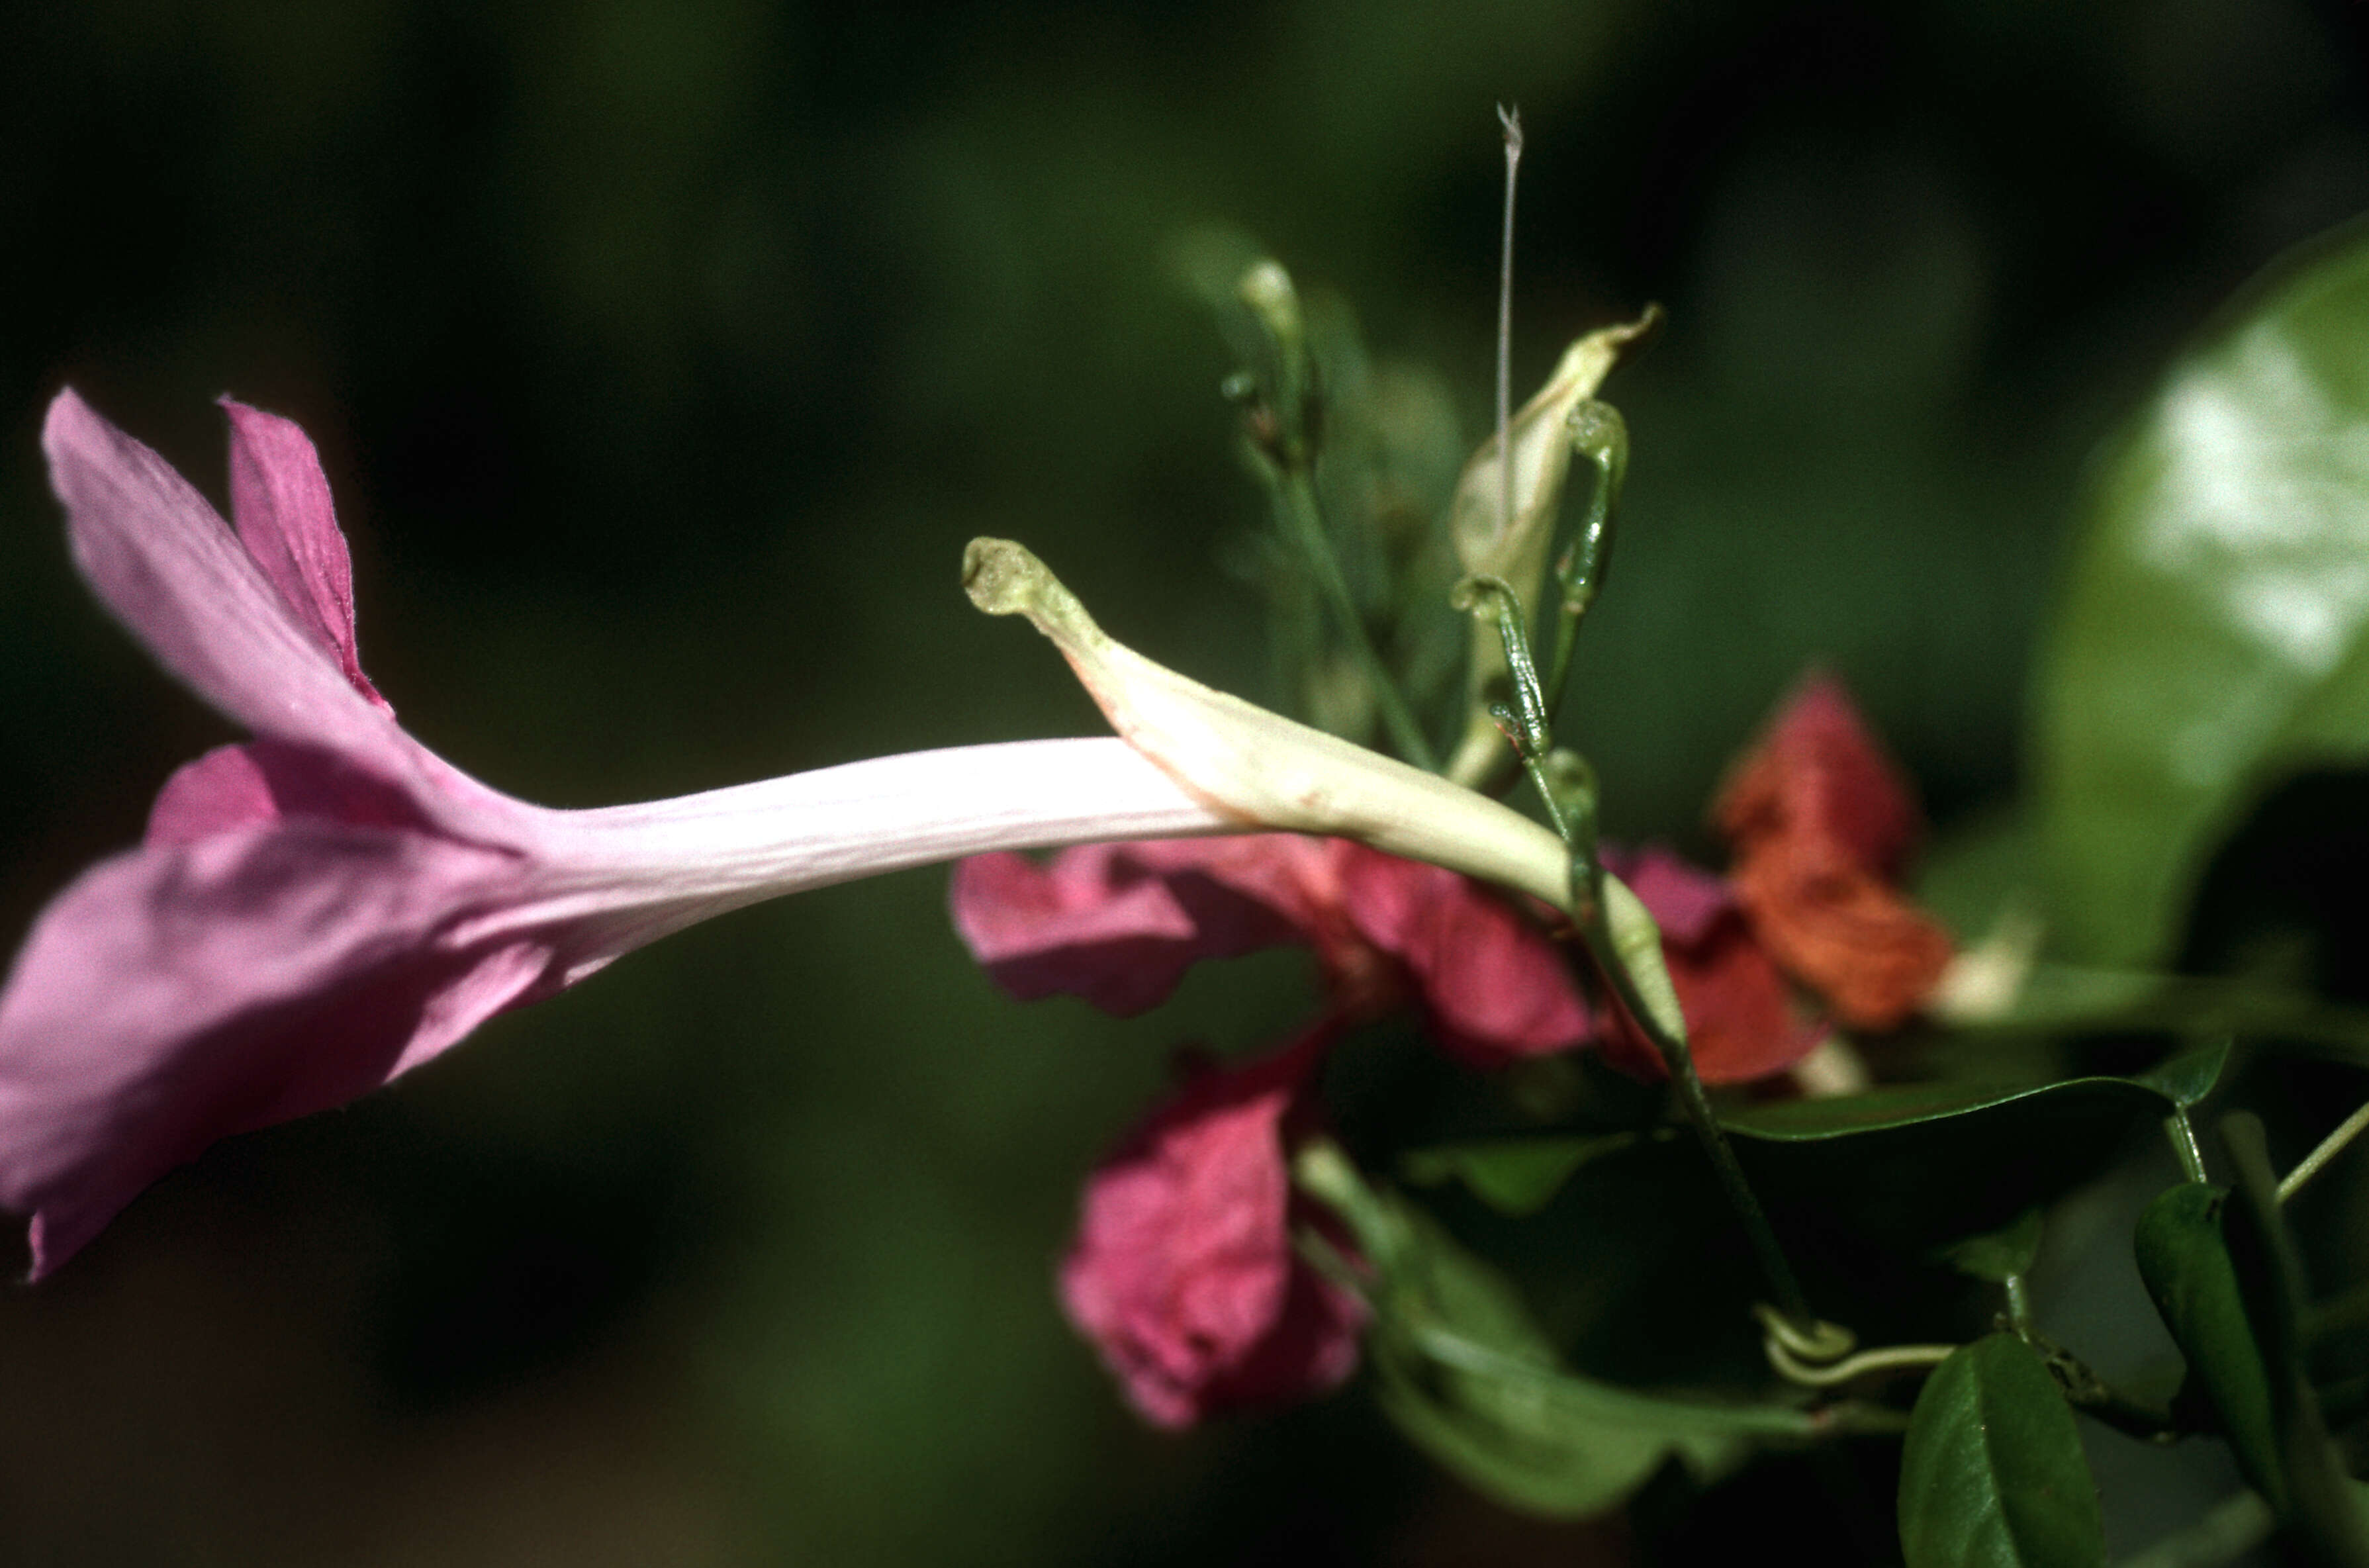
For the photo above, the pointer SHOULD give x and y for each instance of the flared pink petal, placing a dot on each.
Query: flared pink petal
(280, 501)
(270, 780)
(1120, 925)
(1496, 988)
(175, 995)
(165, 562)
(224, 789)
(1183, 1276)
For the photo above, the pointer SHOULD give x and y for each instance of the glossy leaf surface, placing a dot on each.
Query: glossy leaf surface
(1992, 1475)
(1908, 1105)
(2212, 633)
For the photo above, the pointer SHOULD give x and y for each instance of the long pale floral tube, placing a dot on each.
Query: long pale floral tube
(332, 904)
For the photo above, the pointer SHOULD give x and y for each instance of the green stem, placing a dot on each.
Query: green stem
(1536, 768)
(2019, 1305)
(2086, 1391)
(1888, 1360)
(1783, 1284)
(1511, 120)
(2184, 1147)
(1305, 521)
(2324, 1518)
(1601, 436)
(2329, 1148)
(1577, 826)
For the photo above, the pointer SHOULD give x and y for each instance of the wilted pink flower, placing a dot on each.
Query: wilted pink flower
(1120, 925)
(1821, 823)
(332, 904)
(1184, 1275)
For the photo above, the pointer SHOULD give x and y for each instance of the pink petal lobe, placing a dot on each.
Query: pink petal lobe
(175, 995)
(1076, 927)
(1120, 925)
(1184, 1275)
(280, 500)
(168, 565)
(224, 789)
(268, 780)
(1496, 987)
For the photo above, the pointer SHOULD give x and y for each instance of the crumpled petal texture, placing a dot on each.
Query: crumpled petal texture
(1120, 925)
(1183, 1276)
(1492, 986)
(1821, 823)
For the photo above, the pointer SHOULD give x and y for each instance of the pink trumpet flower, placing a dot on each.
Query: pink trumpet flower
(330, 905)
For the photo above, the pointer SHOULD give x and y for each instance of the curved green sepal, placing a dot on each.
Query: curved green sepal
(1993, 1475)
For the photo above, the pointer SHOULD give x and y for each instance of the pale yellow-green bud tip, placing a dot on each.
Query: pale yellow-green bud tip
(1002, 577)
(1006, 579)
(1266, 288)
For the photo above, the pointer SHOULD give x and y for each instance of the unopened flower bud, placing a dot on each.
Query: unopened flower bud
(1266, 288)
(1487, 544)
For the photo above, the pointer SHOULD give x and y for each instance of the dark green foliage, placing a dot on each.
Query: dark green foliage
(1993, 1475)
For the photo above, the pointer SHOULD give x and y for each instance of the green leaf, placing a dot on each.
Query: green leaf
(1519, 1176)
(2215, 631)
(2184, 1256)
(1992, 1475)
(1913, 1105)
(2190, 1076)
(1464, 1371)
(1917, 1167)
(1999, 1255)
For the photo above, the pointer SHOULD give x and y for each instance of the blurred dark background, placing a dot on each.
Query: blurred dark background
(663, 356)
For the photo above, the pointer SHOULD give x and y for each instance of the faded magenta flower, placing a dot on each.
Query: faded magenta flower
(1823, 823)
(1184, 1275)
(332, 904)
(1120, 925)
